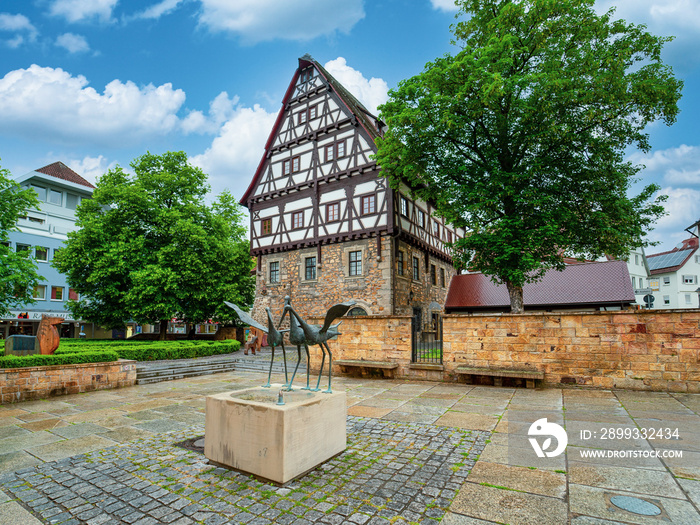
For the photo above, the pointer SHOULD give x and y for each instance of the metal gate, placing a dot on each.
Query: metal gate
(426, 340)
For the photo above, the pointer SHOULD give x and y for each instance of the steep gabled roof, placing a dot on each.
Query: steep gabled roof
(369, 122)
(61, 171)
(578, 285)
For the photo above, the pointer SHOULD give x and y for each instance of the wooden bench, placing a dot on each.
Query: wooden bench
(498, 374)
(386, 367)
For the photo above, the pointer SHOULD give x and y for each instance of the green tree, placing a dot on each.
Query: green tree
(520, 136)
(150, 249)
(18, 273)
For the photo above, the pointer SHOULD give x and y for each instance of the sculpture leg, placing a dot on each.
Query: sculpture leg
(289, 385)
(284, 355)
(307, 367)
(267, 385)
(330, 369)
(323, 360)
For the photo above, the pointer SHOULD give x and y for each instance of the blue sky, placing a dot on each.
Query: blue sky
(95, 83)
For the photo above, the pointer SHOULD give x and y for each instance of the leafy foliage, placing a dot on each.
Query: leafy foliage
(18, 273)
(101, 356)
(154, 350)
(520, 137)
(150, 249)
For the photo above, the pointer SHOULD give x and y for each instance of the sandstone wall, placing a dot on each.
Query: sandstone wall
(643, 349)
(39, 382)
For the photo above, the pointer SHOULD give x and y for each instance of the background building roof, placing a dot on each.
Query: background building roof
(61, 171)
(587, 284)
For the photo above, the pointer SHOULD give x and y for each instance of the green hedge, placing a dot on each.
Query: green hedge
(156, 350)
(13, 361)
(72, 351)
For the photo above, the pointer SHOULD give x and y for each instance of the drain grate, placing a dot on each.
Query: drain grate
(636, 505)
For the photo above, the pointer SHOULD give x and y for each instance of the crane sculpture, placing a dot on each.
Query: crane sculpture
(318, 335)
(298, 338)
(275, 337)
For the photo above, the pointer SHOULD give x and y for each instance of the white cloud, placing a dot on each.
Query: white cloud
(235, 153)
(220, 110)
(91, 168)
(160, 9)
(48, 102)
(677, 166)
(80, 10)
(20, 26)
(444, 5)
(261, 20)
(73, 43)
(371, 93)
(683, 208)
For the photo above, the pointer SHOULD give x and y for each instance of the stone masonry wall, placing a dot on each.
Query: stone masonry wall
(22, 384)
(642, 349)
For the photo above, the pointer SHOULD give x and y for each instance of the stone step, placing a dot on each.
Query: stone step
(156, 371)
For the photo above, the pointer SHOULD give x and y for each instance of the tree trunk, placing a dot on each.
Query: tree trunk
(516, 298)
(162, 336)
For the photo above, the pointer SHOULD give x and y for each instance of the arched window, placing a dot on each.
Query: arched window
(357, 311)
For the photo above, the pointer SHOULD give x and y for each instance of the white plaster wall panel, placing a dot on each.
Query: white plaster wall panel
(364, 188)
(298, 204)
(297, 235)
(269, 212)
(332, 196)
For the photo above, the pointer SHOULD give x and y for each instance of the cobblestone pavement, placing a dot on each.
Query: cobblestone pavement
(389, 470)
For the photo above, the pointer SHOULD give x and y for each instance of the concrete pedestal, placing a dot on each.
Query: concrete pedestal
(246, 430)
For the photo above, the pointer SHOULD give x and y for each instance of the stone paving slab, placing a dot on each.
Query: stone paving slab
(390, 472)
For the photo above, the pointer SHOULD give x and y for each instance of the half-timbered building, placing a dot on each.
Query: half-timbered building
(325, 226)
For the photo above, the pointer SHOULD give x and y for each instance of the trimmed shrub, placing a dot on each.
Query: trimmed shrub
(13, 361)
(156, 350)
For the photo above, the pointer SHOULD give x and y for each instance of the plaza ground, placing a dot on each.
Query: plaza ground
(418, 452)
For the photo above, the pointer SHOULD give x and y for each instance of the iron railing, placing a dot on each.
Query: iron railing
(426, 341)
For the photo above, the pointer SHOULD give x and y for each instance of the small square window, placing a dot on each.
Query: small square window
(310, 268)
(369, 204)
(57, 293)
(340, 149)
(39, 292)
(312, 112)
(400, 262)
(690, 279)
(266, 226)
(275, 272)
(416, 269)
(333, 212)
(56, 197)
(667, 281)
(355, 263)
(41, 253)
(72, 294)
(40, 192)
(667, 299)
(297, 220)
(302, 116)
(72, 201)
(22, 247)
(296, 164)
(688, 299)
(330, 152)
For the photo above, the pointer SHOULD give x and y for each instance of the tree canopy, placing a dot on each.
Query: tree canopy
(18, 272)
(520, 137)
(148, 248)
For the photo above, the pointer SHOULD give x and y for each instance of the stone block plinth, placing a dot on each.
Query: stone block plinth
(248, 431)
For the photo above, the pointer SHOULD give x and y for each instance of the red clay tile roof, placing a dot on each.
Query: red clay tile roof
(587, 284)
(61, 171)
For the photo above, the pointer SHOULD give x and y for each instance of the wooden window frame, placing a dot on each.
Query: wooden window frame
(276, 272)
(335, 205)
(369, 199)
(310, 268)
(433, 275)
(416, 268)
(400, 263)
(442, 278)
(266, 226)
(297, 220)
(313, 113)
(302, 117)
(421, 218)
(296, 164)
(338, 144)
(403, 205)
(286, 167)
(355, 266)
